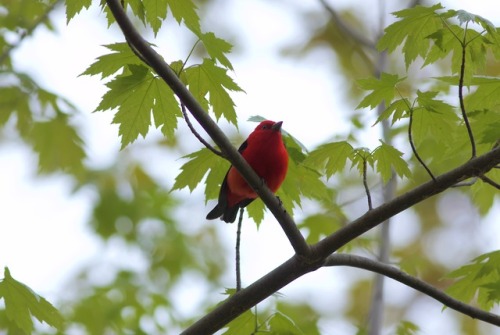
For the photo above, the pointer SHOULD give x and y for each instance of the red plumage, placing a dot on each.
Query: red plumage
(265, 152)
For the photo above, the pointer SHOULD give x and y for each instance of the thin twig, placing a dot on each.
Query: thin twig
(238, 255)
(490, 181)
(197, 135)
(27, 32)
(461, 95)
(367, 189)
(417, 284)
(414, 149)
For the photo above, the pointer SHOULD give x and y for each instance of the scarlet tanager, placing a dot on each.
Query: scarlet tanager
(265, 152)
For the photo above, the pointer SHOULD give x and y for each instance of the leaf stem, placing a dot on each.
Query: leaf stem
(461, 96)
(238, 248)
(365, 184)
(414, 149)
(197, 135)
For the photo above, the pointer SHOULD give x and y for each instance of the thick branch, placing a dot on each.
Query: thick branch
(417, 284)
(475, 167)
(297, 266)
(168, 75)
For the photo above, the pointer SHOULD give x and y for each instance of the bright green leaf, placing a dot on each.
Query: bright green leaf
(137, 94)
(208, 79)
(331, 157)
(280, 324)
(58, 145)
(412, 28)
(407, 328)
(155, 13)
(74, 7)
(387, 159)
(193, 171)
(109, 64)
(243, 324)
(21, 304)
(398, 109)
(217, 48)
(384, 89)
(475, 280)
(185, 10)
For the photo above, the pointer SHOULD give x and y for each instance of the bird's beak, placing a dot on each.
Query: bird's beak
(277, 126)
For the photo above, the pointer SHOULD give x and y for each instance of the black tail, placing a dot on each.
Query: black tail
(227, 214)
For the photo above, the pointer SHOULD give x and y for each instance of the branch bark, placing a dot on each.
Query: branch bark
(298, 266)
(417, 284)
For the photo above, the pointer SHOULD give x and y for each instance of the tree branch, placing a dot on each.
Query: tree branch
(417, 284)
(28, 31)
(298, 266)
(168, 75)
(475, 167)
(359, 38)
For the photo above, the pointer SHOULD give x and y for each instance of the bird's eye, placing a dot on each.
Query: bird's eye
(266, 126)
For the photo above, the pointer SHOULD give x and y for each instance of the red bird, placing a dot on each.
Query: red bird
(265, 152)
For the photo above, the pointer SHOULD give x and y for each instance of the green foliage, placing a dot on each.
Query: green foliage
(208, 79)
(21, 304)
(383, 89)
(74, 7)
(413, 28)
(407, 328)
(332, 158)
(247, 323)
(137, 94)
(478, 280)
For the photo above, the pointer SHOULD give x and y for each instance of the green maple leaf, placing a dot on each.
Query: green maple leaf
(279, 323)
(58, 145)
(21, 303)
(193, 171)
(217, 48)
(453, 39)
(360, 157)
(412, 28)
(407, 328)
(74, 7)
(479, 278)
(383, 89)
(331, 157)
(486, 95)
(466, 17)
(398, 109)
(387, 158)
(185, 10)
(109, 64)
(137, 94)
(156, 11)
(208, 79)
(243, 324)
